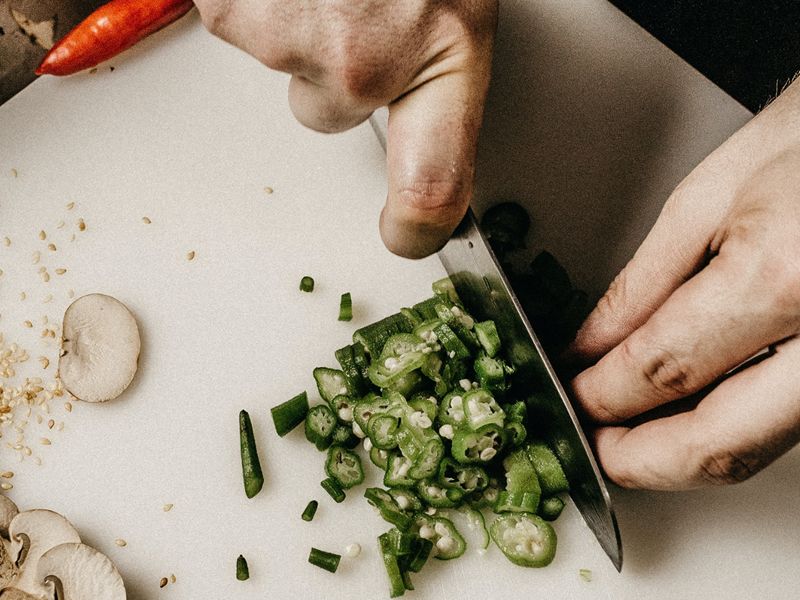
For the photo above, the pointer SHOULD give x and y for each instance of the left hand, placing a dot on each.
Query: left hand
(715, 281)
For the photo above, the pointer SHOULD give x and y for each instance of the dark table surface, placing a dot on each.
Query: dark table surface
(750, 48)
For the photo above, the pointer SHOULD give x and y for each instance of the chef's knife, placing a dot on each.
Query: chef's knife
(485, 291)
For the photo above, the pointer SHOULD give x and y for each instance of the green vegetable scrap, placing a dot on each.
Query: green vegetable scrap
(429, 392)
(251, 467)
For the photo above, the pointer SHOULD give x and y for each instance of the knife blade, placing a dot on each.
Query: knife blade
(485, 291)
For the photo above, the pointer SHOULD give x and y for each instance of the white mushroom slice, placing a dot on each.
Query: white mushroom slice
(78, 572)
(8, 510)
(32, 533)
(100, 350)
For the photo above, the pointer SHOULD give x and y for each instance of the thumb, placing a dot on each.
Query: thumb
(431, 146)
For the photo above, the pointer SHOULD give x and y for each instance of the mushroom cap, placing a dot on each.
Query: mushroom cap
(82, 573)
(8, 510)
(100, 348)
(32, 534)
(8, 570)
(16, 594)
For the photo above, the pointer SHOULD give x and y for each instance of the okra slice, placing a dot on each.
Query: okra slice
(330, 383)
(319, 426)
(480, 409)
(526, 540)
(447, 541)
(548, 468)
(344, 466)
(479, 446)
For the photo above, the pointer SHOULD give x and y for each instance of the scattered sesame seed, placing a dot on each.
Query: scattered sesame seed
(60, 271)
(81, 225)
(42, 235)
(268, 190)
(352, 550)
(168, 507)
(190, 255)
(172, 578)
(6, 485)
(68, 406)
(51, 247)
(48, 298)
(72, 238)
(7, 474)
(162, 582)
(70, 205)
(146, 220)
(45, 276)
(28, 324)
(44, 361)
(37, 256)
(22, 296)
(6, 241)
(50, 423)
(14, 173)
(60, 225)
(45, 441)
(120, 542)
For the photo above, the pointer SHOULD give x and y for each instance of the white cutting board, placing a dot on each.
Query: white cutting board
(590, 123)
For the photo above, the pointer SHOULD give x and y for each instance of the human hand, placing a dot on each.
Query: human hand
(428, 60)
(715, 281)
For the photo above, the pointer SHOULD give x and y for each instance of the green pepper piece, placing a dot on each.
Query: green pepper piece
(320, 423)
(333, 488)
(344, 466)
(479, 446)
(288, 415)
(251, 467)
(310, 510)
(526, 540)
(548, 468)
(242, 570)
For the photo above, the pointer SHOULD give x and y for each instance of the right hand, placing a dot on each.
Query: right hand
(428, 60)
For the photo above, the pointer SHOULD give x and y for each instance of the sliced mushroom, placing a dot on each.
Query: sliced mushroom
(100, 350)
(8, 570)
(78, 572)
(8, 510)
(32, 534)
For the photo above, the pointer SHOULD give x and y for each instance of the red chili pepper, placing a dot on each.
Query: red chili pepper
(109, 30)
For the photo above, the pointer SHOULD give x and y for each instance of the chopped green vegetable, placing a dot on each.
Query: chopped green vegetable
(333, 488)
(307, 284)
(585, 574)
(525, 539)
(251, 467)
(320, 425)
(344, 466)
(324, 560)
(346, 307)
(310, 511)
(550, 508)
(551, 474)
(242, 570)
(290, 414)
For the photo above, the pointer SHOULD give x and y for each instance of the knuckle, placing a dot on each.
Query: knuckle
(433, 200)
(667, 374)
(721, 466)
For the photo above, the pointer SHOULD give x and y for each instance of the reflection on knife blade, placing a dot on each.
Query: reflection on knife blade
(484, 289)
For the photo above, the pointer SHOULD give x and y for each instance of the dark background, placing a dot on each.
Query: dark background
(750, 48)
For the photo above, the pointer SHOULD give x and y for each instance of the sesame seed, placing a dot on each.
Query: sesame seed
(70, 205)
(146, 220)
(37, 256)
(7, 474)
(22, 296)
(60, 271)
(268, 190)
(60, 225)
(81, 225)
(50, 423)
(68, 406)
(45, 276)
(45, 441)
(42, 235)
(120, 542)
(6, 241)
(6, 485)
(28, 324)
(172, 578)
(44, 361)
(168, 507)
(14, 173)
(47, 298)
(162, 582)
(190, 255)
(352, 550)
(51, 247)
